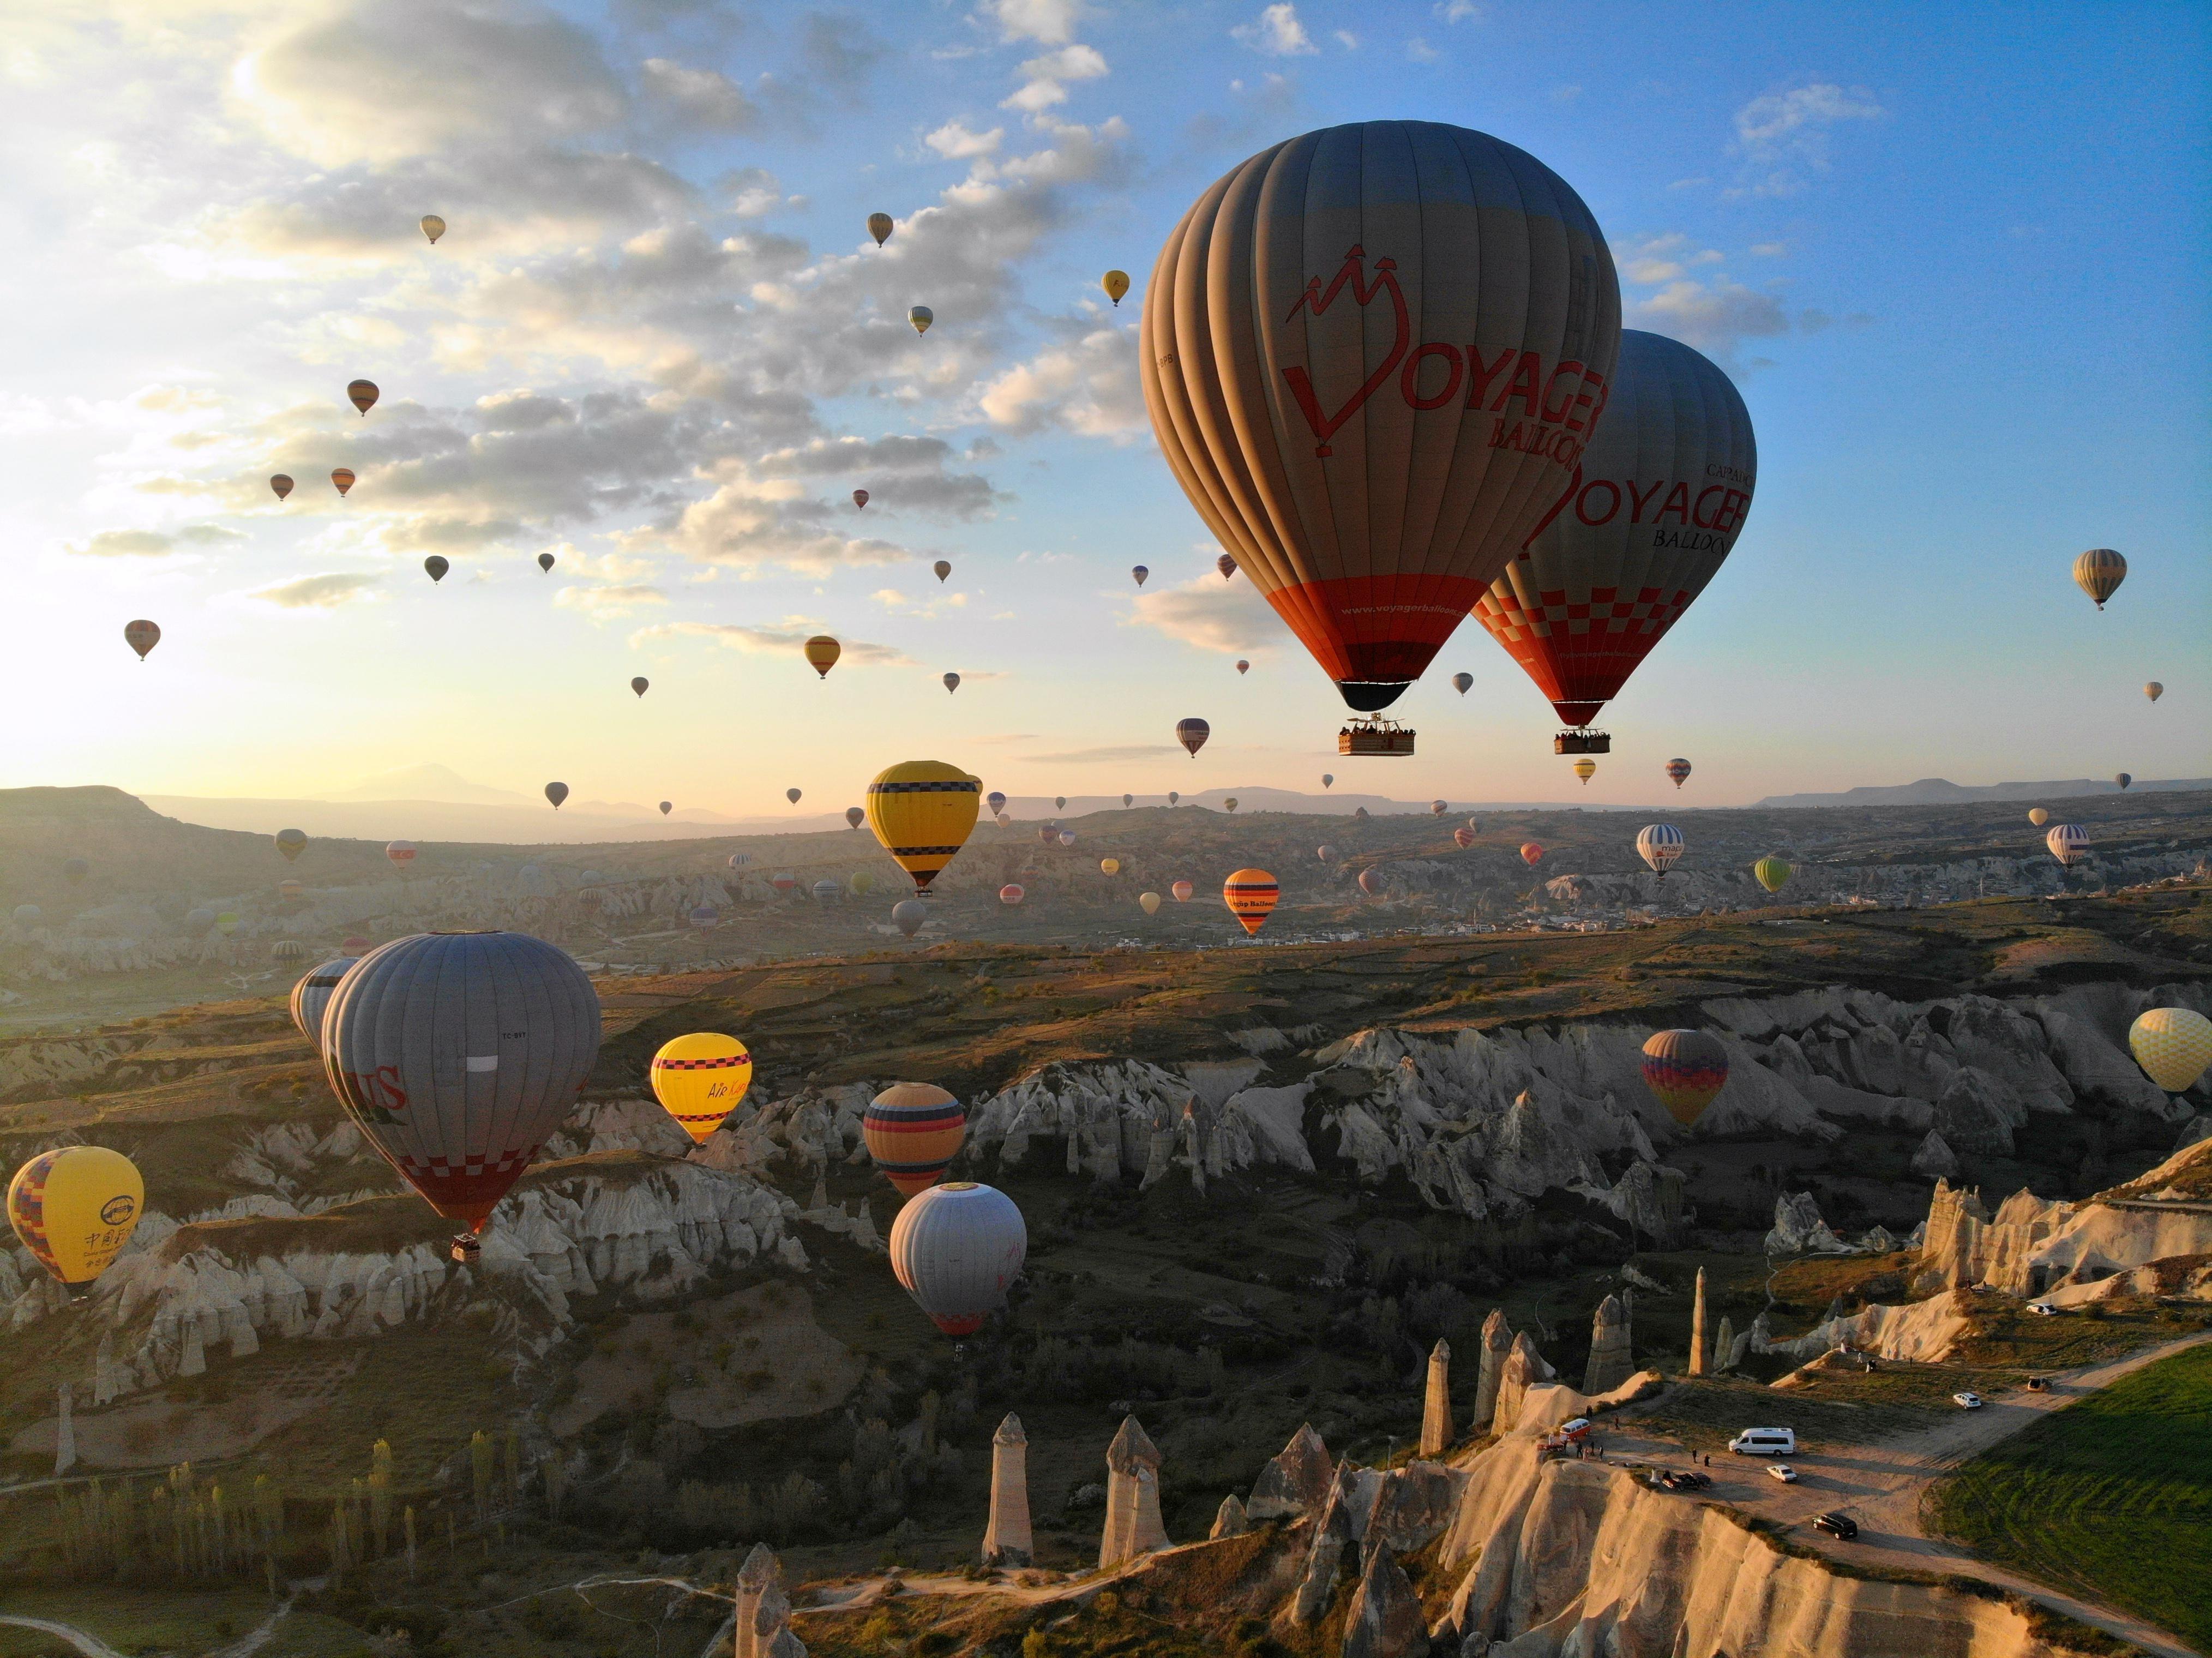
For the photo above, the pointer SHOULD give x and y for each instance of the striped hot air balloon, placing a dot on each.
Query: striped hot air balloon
(879, 226)
(1679, 770)
(1586, 769)
(2173, 1045)
(923, 812)
(1192, 734)
(141, 636)
(280, 483)
(1182, 889)
(291, 843)
(1531, 853)
(1659, 845)
(2069, 843)
(311, 996)
(343, 477)
(1462, 838)
(822, 653)
(1685, 1070)
(362, 394)
(1013, 893)
(956, 1249)
(913, 1131)
(74, 1208)
(1251, 895)
(1771, 873)
(700, 1078)
(2098, 573)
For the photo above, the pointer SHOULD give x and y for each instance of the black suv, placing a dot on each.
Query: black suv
(1836, 1525)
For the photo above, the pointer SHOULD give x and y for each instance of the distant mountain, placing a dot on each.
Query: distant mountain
(1941, 792)
(520, 825)
(429, 783)
(1255, 799)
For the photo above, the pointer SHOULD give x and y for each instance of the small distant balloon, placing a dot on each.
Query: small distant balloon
(1586, 769)
(1140, 573)
(822, 652)
(1182, 889)
(784, 882)
(1370, 882)
(951, 684)
(1251, 895)
(1685, 1070)
(1773, 873)
(544, 561)
(854, 816)
(1002, 820)
(1462, 683)
(1679, 769)
(920, 316)
(2153, 690)
(282, 484)
(792, 795)
(1230, 804)
(1109, 865)
(879, 226)
(1068, 837)
(860, 499)
(1128, 800)
(1149, 903)
(909, 915)
(291, 843)
(1327, 779)
(667, 806)
(140, 636)
(2122, 779)
(912, 1131)
(433, 226)
(1013, 893)
(2098, 573)
(1438, 808)
(1531, 853)
(1174, 795)
(1242, 666)
(1326, 854)
(343, 477)
(1361, 812)
(400, 854)
(1226, 565)
(739, 860)
(1192, 734)
(437, 567)
(942, 568)
(1116, 284)
(2069, 843)
(700, 1078)
(1660, 845)
(641, 684)
(556, 793)
(362, 394)
(1059, 801)
(1462, 838)
(2037, 816)
(996, 801)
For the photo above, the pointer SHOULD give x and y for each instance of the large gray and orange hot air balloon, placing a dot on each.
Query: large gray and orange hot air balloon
(956, 1247)
(457, 1054)
(1631, 539)
(1372, 356)
(2098, 573)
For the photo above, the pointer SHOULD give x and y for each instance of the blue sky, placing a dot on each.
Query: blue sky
(1953, 258)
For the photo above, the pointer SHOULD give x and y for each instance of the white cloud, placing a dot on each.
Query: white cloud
(697, 97)
(1102, 755)
(774, 641)
(1459, 11)
(956, 142)
(1050, 22)
(1276, 33)
(1662, 259)
(1089, 386)
(1420, 51)
(1770, 249)
(318, 592)
(1044, 78)
(618, 600)
(1211, 614)
(1782, 131)
(1347, 39)
(1715, 316)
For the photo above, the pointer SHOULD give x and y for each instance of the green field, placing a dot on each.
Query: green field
(2112, 1497)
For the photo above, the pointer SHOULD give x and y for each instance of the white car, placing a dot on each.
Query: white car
(2042, 1309)
(1782, 1472)
(1967, 1401)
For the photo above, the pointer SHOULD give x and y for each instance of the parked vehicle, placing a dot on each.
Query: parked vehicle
(1784, 1473)
(1967, 1401)
(2043, 1309)
(2037, 1384)
(1836, 1525)
(1764, 1442)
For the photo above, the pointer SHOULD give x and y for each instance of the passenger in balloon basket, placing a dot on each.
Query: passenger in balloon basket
(1583, 740)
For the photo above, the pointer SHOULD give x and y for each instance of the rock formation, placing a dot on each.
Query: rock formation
(1006, 1540)
(1724, 1353)
(1385, 1619)
(64, 1434)
(1697, 1327)
(1230, 1520)
(1611, 1360)
(1800, 1231)
(1523, 1368)
(1293, 1483)
(759, 1572)
(1496, 1342)
(1934, 1158)
(1133, 1497)
(1435, 1409)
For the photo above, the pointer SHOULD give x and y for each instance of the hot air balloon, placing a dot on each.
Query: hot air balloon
(1326, 854)
(1013, 893)
(1585, 768)
(1182, 889)
(942, 568)
(1116, 284)
(457, 1054)
(1370, 882)
(923, 811)
(955, 1248)
(437, 567)
(1059, 801)
(1685, 1070)
(784, 882)
(354, 944)
(920, 316)
(1622, 546)
(1128, 800)
(1679, 769)
(2069, 843)
(995, 801)
(700, 1078)
(362, 394)
(1462, 683)
(312, 995)
(739, 860)
(73, 870)
(1462, 838)
(1285, 367)
(862, 883)
(1140, 572)
(1068, 837)
(822, 652)
(1244, 666)
(1659, 845)
(1531, 853)
(2098, 573)
(556, 793)
(1049, 834)
(951, 684)
(291, 891)
(792, 795)
(641, 684)
(1149, 903)
(1230, 804)
(667, 806)
(400, 853)
(282, 484)
(2037, 816)
(544, 563)
(433, 226)
(291, 843)
(1771, 873)
(2153, 690)
(1438, 808)
(854, 816)
(1327, 779)
(879, 226)
(825, 890)
(909, 915)
(1002, 820)
(1226, 565)
(1192, 734)
(1174, 795)
(227, 923)
(2122, 779)
(1109, 865)
(286, 949)
(74, 1208)
(343, 477)
(590, 901)
(140, 636)
(1251, 895)
(913, 1131)
(2172, 1045)
(860, 499)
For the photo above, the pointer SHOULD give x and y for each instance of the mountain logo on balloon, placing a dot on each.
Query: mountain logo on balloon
(1543, 406)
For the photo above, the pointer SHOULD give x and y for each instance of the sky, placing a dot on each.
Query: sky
(1951, 257)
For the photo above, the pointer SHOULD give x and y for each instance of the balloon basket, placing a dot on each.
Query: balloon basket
(466, 1249)
(1584, 741)
(1374, 737)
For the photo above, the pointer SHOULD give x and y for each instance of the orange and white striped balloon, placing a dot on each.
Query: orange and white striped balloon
(1251, 895)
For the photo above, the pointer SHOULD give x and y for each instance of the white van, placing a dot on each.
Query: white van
(1764, 1442)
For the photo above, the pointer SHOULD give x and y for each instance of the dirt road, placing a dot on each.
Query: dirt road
(1881, 1487)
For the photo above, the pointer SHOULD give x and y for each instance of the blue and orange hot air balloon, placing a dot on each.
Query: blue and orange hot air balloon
(913, 1131)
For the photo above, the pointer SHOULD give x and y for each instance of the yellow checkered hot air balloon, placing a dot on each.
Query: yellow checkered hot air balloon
(1251, 895)
(74, 1208)
(923, 811)
(2172, 1045)
(699, 1078)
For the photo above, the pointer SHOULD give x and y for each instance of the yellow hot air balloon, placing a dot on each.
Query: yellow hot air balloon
(699, 1078)
(2037, 816)
(1251, 895)
(1771, 873)
(74, 1208)
(822, 652)
(1116, 284)
(2098, 573)
(1149, 903)
(2172, 1045)
(879, 226)
(1586, 769)
(433, 226)
(920, 316)
(2153, 690)
(1110, 866)
(923, 811)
